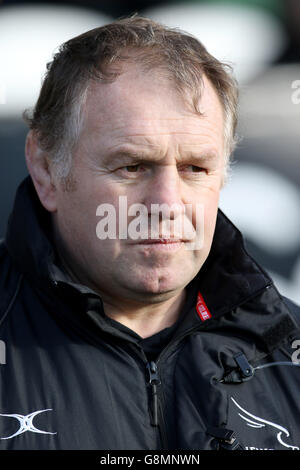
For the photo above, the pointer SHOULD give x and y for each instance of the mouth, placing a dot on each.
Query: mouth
(166, 245)
(163, 241)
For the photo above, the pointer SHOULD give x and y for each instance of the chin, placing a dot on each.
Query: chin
(160, 286)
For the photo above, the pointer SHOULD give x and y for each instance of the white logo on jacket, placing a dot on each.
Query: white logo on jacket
(26, 423)
(259, 423)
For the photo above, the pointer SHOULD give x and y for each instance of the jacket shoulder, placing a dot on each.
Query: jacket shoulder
(10, 281)
(293, 308)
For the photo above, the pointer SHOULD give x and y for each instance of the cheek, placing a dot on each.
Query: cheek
(209, 209)
(76, 216)
(211, 202)
(210, 216)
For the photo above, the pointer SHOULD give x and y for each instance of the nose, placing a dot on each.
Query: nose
(164, 193)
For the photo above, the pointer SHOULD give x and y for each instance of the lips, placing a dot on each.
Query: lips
(163, 241)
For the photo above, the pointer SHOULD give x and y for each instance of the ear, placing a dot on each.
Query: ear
(40, 172)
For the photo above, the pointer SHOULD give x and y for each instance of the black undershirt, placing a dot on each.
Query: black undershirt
(153, 345)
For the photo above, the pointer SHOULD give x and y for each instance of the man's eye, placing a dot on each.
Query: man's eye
(196, 169)
(135, 169)
(131, 168)
(193, 169)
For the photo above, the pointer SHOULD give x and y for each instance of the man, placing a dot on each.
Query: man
(162, 337)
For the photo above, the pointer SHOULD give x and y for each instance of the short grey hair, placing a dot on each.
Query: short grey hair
(57, 117)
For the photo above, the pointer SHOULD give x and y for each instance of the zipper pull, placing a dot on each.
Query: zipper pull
(154, 381)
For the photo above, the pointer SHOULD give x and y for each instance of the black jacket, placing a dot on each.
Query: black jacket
(71, 380)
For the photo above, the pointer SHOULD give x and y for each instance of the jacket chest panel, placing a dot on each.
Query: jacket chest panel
(86, 397)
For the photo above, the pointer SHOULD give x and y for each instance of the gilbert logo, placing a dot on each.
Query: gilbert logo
(202, 308)
(26, 423)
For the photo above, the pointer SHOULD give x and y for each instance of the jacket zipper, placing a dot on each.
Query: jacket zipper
(157, 418)
(157, 402)
(154, 381)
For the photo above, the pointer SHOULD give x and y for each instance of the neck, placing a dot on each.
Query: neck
(146, 319)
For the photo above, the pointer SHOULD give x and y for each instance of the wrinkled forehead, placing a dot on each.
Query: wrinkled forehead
(139, 104)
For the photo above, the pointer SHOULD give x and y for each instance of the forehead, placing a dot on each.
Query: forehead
(138, 105)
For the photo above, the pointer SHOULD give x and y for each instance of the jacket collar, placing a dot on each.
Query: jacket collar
(28, 234)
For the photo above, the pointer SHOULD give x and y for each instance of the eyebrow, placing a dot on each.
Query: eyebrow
(128, 154)
(124, 154)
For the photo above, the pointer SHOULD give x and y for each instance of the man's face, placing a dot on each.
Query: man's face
(141, 140)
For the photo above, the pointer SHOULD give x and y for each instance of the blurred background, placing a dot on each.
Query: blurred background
(259, 38)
